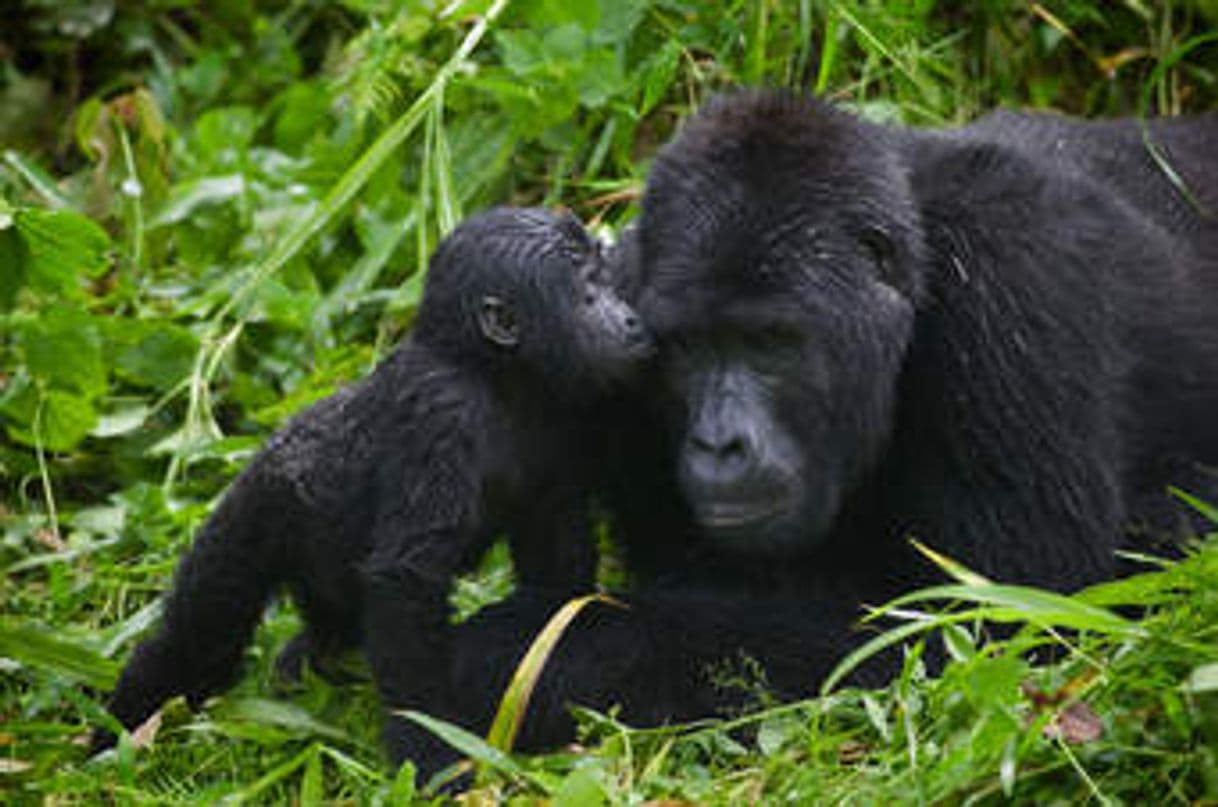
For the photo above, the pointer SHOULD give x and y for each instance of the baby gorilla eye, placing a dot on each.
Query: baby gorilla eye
(880, 250)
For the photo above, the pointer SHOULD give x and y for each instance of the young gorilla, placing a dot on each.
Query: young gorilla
(366, 505)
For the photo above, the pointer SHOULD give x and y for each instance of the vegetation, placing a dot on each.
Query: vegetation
(212, 214)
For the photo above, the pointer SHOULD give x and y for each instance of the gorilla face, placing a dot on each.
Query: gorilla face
(605, 331)
(780, 292)
(528, 294)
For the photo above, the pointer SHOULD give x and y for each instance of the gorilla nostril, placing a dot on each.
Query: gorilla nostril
(725, 448)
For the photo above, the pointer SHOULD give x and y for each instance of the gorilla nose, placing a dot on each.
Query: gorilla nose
(726, 447)
(718, 458)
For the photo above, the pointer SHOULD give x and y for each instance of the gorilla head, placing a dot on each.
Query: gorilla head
(779, 247)
(527, 296)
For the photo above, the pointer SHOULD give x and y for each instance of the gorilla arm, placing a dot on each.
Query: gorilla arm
(426, 528)
(663, 656)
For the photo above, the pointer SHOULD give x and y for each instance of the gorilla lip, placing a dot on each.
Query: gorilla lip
(726, 516)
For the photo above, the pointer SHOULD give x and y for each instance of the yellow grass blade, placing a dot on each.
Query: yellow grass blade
(515, 702)
(957, 570)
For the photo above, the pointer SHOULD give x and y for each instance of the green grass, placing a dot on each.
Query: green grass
(212, 215)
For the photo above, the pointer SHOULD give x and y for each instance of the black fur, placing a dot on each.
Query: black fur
(367, 505)
(1001, 339)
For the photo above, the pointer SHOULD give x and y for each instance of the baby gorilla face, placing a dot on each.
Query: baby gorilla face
(610, 334)
(530, 293)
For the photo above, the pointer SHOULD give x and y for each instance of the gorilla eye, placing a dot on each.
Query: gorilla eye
(882, 252)
(766, 271)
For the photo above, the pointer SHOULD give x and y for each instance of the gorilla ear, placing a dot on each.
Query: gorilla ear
(498, 322)
(884, 255)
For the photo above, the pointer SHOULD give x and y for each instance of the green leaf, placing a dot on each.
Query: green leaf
(877, 714)
(36, 646)
(564, 44)
(153, 354)
(1023, 604)
(151, 121)
(658, 74)
(994, 681)
(1008, 767)
(772, 735)
(580, 788)
(521, 51)
(1203, 679)
(952, 567)
(1147, 588)
(469, 744)
(618, 19)
(402, 791)
(278, 714)
(38, 179)
(304, 115)
(121, 421)
(66, 420)
(56, 420)
(599, 78)
(885, 640)
(85, 128)
(958, 642)
(311, 791)
(62, 246)
(225, 129)
(284, 306)
(277, 774)
(187, 197)
(1206, 509)
(64, 349)
(13, 259)
(544, 14)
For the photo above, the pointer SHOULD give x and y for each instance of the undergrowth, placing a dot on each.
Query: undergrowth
(213, 214)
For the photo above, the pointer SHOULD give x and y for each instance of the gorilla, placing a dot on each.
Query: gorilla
(366, 505)
(1000, 339)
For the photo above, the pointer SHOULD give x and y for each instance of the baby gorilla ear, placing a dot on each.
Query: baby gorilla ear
(498, 322)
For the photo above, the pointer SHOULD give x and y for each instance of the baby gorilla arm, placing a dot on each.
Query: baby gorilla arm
(427, 527)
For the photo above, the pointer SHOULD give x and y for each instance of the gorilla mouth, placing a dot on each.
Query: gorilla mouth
(732, 515)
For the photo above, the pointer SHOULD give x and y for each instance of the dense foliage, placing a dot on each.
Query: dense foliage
(213, 213)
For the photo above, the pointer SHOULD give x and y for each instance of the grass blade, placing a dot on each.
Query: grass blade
(515, 702)
(885, 640)
(957, 570)
(1021, 603)
(39, 180)
(1207, 510)
(466, 742)
(39, 647)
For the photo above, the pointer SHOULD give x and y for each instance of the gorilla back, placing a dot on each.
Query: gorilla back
(366, 505)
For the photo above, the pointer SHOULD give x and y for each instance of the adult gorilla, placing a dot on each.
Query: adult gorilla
(1001, 339)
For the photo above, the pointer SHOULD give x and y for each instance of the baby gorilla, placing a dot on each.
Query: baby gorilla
(366, 505)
